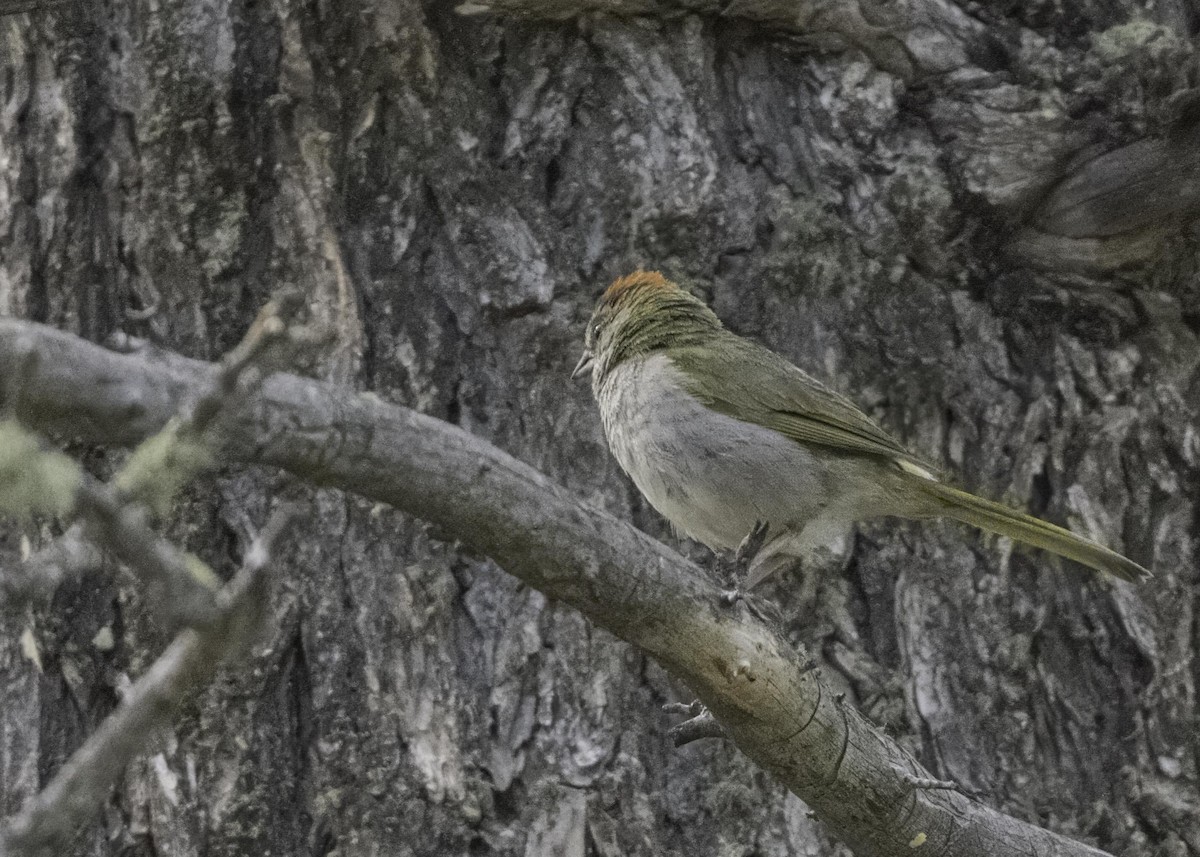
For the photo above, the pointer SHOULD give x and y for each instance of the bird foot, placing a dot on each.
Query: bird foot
(737, 570)
(700, 723)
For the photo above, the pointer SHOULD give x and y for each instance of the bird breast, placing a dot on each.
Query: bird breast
(713, 476)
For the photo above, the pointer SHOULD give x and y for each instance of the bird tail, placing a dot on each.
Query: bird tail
(1000, 519)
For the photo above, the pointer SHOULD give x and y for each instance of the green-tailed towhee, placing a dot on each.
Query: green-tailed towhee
(722, 435)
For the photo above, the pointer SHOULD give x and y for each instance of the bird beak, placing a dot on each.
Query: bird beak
(584, 364)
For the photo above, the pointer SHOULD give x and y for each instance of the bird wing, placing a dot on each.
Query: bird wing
(751, 383)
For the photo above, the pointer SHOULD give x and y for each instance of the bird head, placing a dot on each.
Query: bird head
(638, 315)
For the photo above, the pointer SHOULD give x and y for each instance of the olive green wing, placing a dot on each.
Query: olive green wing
(741, 379)
(736, 377)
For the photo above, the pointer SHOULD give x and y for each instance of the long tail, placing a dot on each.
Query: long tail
(997, 518)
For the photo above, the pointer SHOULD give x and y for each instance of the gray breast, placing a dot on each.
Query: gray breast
(711, 475)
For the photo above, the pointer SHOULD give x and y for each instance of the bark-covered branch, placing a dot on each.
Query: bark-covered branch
(185, 594)
(764, 692)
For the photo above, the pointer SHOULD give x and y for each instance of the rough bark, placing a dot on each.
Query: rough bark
(451, 192)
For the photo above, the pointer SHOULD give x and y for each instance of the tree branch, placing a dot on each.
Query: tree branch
(756, 683)
(182, 587)
(49, 821)
(183, 595)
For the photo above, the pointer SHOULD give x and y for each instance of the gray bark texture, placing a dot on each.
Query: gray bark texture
(972, 218)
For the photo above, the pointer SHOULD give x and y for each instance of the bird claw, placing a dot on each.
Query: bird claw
(736, 570)
(701, 723)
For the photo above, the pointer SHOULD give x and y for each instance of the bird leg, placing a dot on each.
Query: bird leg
(749, 547)
(743, 559)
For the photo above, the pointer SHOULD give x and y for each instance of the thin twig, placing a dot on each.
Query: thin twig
(115, 517)
(175, 583)
(269, 327)
(49, 820)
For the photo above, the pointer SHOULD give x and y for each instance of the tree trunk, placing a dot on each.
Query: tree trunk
(975, 225)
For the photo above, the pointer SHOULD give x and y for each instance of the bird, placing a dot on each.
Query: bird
(729, 440)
